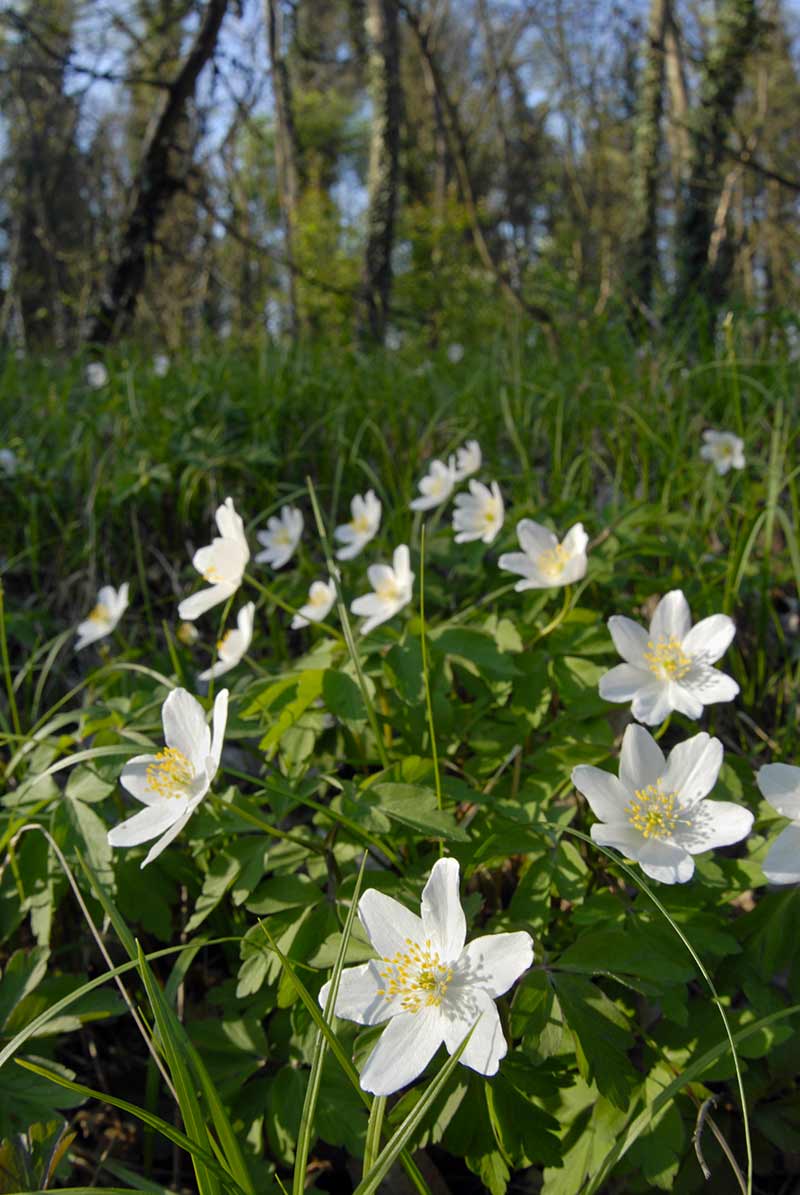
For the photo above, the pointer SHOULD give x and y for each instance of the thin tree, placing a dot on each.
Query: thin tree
(287, 153)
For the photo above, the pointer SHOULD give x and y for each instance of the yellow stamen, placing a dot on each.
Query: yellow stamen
(553, 561)
(100, 613)
(360, 524)
(654, 813)
(416, 976)
(171, 773)
(666, 659)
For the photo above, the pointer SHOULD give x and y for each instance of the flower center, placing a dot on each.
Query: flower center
(654, 813)
(282, 537)
(221, 642)
(416, 976)
(553, 561)
(171, 773)
(389, 591)
(360, 525)
(100, 613)
(666, 659)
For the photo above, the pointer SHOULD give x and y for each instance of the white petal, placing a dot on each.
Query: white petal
(652, 702)
(607, 797)
(574, 570)
(671, 617)
(534, 538)
(713, 824)
(401, 563)
(693, 767)
(185, 727)
(664, 861)
(495, 961)
(90, 631)
(629, 638)
(517, 562)
(623, 682)
(389, 924)
(369, 604)
(575, 541)
(779, 783)
(148, 822)
(380, 575)
(442, 916)
(220, 718)
(360, 996)
(708, 685)
(166, 839)
(684, 698)
(782, 864)
(134, 778)
(217, 669)
(641, 760)
(406, 1046)
(710, 638)
(197, 603)
(487, 1045)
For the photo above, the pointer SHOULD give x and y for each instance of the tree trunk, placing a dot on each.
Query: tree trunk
(721, 80)
(287, 154)
(646, 161)
(383, 73)
(155, 184)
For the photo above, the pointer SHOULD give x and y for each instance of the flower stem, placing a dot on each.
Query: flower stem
(373, 1141)
(423, 638)
(271, 596)
(266, 828)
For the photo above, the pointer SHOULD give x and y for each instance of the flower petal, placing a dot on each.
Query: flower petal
(442, 916)
(710, 638)
(575, 541)
(185, 727)
(671, 617)
(708, 685)
(360, 996)
(534, 538)
(782, 864)
(607, 797)
(389, 924)
(641, 760)
(517, 562)
(652, 702)
(487, 1045)
(630, 639)
(220, 719)
(664, 861)
(166, 839)
(197, 603)
(692, 768)
(494, 962)
(406, 1046)
(685, 699)
(622, 682)
(148, 822)
(779, 783)
(712, 824)
(134, 779)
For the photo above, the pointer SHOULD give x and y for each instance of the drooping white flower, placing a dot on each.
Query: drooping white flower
(669, 667)
(172, 783)
(101, 621)
(436, 486)
(724, 450)
(321, 597)
(222, 563)
(478, 514)
(455, 353)
(427, 984)
(161, 365)
(392, 590)
(233, 644)
(544, 562)
(655, 812)
(9, 462)
(363, 526)
(468, 460)
(779, 783)
(96, 374)
(281, 537)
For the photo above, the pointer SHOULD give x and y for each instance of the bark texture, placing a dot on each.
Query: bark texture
(383, 74)
(287, 154)
(737, 28)
(154, 185)
(643, 258)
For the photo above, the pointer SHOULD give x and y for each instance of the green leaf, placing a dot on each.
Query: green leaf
(23, 973)
(342, 697)
(284, 892)
(601, 1036)
(475, 649)
(415, 806)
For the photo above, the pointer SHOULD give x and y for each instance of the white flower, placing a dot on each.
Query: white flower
(96, 374)
(362, 527)
(655, 812)
(393, 340)
(172, 783)
(436, 486)
(111, 605)
(468, 460)
(9, 462)
(543, 561)
(321, 597)
(161, 365)
(233, 644)
(455, 353)
(222, 563)
(669, 667)
(428, 984)
(478, 514)
(392, 588)
(281, 538)
(779, 783)
(724, 450)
